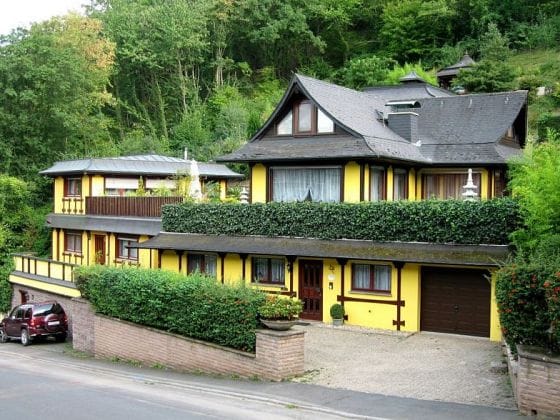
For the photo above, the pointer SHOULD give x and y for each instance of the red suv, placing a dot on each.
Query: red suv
(35, 321)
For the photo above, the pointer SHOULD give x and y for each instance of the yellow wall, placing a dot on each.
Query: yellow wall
(390, 183)
(223, 189)
(412, 185)
(258, 183)
(352, 182)
(40, 285)
(97, 185)
(410, 293)
(58, 193)
(366, 183)
(495, 328)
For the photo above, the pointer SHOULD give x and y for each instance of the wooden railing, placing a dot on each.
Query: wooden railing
(73, 205)
(128, 206)
(44, 267)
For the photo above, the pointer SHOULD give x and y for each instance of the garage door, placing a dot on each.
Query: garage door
(455, 301)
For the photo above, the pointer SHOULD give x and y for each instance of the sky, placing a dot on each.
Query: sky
(15, 13)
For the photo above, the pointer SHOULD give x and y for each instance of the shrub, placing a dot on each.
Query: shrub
(277, 307)
(337, 311)
(194, 306)
(452, 221)
(522, 291)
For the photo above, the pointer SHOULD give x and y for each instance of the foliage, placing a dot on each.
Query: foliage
(394, 76)
(521, 293)
(487, 76)
(54, 79)
(484, 222)
(361, 72)
(415, 29)
(337, 311)
(528, 289)
(536, 185)
(194, 306)
(281, 308)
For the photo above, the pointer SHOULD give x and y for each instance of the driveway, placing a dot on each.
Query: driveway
(428, 366)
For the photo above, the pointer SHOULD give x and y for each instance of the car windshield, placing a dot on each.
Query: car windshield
(47, 309)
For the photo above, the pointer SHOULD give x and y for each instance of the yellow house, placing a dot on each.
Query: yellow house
(332, 144)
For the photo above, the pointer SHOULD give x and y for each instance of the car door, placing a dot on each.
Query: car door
(13, 324)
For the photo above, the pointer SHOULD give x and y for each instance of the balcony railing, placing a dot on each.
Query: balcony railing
(128, 206)
(73, 205)
(44, 267)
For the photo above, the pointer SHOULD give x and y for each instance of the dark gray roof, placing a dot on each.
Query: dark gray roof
(472, 124)
(474, 255)
(454, 69)
(131, 225)
(139, 165)
(412, 77)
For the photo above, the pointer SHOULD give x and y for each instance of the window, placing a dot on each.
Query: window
(371, 278)
(268, 270)
(202, 263)
(499, 183)
(304, 111)
(399, 184)
(324, 123)
(73, 187)
(73, 242)
(447, 186)
(377, 183)
(125, 252)
(284, 128)
(304, 119)
(300, 184)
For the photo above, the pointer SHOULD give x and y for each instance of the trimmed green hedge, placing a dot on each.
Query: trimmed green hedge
(194, 306)
(522, 303)
(451, 221)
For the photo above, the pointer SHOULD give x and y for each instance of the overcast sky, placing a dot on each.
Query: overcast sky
(14, 13)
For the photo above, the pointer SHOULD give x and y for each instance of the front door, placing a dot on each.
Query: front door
(310, 289)
(99, 249)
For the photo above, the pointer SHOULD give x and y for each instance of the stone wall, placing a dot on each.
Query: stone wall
(538, 382)
(279, 354)
(35, 295)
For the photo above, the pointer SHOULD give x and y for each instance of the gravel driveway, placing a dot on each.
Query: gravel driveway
(425, 366)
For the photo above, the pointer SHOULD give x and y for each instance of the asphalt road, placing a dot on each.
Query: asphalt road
(30, 387)
(50, 381)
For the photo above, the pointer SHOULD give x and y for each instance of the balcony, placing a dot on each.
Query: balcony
(44, 267)
(125, 206)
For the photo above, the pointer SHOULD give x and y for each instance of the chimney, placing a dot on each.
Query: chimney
(405, 124)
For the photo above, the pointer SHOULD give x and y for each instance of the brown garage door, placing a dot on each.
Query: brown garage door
(455, 301)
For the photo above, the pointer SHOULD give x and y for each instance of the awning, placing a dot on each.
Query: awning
(414, 252)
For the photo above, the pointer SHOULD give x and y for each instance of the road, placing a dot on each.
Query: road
(51, 381)
(34, 386)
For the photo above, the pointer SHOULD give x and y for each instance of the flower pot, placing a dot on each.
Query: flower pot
(279, 324)
(337, 322)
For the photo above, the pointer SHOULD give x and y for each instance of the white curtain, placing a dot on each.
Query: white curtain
(377, 183)
(277, 271)
(210, 265)
(362, 277)
(298, 184)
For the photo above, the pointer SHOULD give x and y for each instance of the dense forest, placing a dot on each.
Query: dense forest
(137, 76)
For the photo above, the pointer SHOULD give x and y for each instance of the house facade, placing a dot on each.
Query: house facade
(327, 143)
(102, 207)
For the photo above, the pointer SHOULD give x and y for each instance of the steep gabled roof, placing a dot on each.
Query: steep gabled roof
(451, 129)
(138, 165)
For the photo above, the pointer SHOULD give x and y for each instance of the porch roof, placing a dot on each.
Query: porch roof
(413, 252)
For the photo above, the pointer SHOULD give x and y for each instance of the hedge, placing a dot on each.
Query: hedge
(194, 306)
(451, 221)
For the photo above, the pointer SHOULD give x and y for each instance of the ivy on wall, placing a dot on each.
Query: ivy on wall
(460, 222)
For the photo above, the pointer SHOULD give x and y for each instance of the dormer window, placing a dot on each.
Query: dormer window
(304, 119)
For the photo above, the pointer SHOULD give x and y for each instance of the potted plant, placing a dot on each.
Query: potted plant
(280, 313)
(337, 314)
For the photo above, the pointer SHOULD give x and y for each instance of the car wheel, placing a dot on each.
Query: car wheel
(60, 338)
(25, 339)
(3, 337)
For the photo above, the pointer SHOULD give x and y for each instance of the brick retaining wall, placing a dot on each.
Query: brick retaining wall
(538, 382)
(279, 354)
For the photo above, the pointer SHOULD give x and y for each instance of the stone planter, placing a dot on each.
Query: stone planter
(279, 324)
(337, 322)
(538, 381)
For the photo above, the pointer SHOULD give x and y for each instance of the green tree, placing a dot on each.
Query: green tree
(487, 76)
(365, 71)
(53, 78)
(414, 29)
